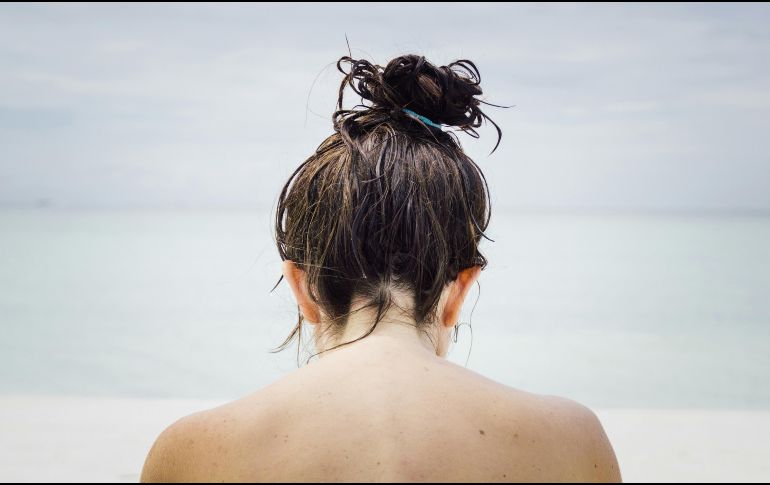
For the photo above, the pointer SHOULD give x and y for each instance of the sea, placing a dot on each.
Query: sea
(625, 310)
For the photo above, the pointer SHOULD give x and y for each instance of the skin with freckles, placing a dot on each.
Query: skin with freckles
(387, 408)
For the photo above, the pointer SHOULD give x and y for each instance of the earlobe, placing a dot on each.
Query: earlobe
(297, 280)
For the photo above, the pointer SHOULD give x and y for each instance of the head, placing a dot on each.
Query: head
(385, 218)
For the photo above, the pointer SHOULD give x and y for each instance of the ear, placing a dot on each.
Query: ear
(297, 280)
(458, 291)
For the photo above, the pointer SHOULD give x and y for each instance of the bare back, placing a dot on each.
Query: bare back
(373, 413)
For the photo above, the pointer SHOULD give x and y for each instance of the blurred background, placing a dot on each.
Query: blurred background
(143, 147)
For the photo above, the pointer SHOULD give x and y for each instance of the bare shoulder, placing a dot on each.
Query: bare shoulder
(172, 452)
(582, 434)
(201, 445)
(563, 435)
(183, 449)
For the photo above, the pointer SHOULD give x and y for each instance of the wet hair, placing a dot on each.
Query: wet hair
(389, 202)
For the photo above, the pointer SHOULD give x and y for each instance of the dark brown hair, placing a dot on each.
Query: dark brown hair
(389, 201)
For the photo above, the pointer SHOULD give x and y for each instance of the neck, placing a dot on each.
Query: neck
(394, 328)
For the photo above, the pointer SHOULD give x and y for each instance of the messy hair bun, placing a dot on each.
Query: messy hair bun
(446, 95)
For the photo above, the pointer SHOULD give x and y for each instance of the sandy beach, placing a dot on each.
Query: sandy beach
(99, 439)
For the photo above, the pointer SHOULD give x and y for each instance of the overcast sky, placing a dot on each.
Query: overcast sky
(617, 106)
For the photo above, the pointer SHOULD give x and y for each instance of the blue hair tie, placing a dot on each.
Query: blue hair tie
(425, 120)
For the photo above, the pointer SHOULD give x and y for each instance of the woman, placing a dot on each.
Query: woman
(378, 231)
